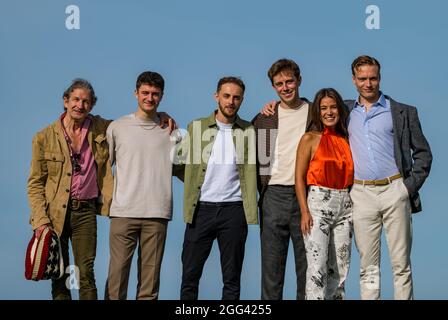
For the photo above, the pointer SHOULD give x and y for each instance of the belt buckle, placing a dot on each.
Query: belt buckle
(384, 182)
(76, 204)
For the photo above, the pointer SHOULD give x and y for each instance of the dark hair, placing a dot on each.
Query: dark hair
(233, 80)
(150, 78)
(79, 83)
(283, 65)
(365, 60)
(341, 126)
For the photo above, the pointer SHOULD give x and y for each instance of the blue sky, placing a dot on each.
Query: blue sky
(192, 44)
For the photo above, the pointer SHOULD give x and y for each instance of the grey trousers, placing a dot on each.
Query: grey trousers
(280, 223)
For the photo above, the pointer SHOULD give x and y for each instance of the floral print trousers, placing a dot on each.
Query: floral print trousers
(328, 246)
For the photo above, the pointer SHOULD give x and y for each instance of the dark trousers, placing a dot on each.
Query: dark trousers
(226, 222)
(79, 227)
(280, 222)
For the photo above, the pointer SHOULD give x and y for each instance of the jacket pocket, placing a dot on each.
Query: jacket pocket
(101, 149)
(54, 161)
(55, 165)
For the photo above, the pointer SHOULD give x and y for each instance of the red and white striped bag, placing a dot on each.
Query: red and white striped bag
(43, 259)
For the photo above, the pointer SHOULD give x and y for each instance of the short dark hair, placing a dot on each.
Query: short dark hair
(150, 78)
(341, 126)
(233, 80)
(79, 83)
(365, 60)
(283, 65)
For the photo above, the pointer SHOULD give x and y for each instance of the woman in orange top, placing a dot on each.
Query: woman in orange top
(324, 168)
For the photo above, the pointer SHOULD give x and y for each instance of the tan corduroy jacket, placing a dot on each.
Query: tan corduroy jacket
(51, 169)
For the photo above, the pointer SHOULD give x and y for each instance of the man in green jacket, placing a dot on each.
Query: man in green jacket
(220, 196)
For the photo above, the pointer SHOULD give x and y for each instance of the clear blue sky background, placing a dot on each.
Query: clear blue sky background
(192, 44)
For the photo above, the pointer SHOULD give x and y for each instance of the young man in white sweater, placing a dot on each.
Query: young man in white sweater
(142, 198)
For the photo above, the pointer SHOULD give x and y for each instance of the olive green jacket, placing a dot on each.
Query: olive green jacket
(195, 151)
(49, 181)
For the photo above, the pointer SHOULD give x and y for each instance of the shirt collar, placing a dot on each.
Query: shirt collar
(211, 121)
(381, 102)
(85, 125)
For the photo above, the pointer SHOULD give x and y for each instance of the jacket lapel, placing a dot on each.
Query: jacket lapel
(309, 116)
(398, 124)
(397, 120)
(57, 127)
(90, 138)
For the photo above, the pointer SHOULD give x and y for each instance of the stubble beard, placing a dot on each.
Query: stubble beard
(226, 114)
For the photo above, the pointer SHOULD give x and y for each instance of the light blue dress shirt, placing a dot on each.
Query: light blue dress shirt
(371, 137)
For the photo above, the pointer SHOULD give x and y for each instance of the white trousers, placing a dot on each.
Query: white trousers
(373, 208)
(328, 246)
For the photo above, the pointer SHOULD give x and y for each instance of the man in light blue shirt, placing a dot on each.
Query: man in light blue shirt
(392, 160)
(373, 140)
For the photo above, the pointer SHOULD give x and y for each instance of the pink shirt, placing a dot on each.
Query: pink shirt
(84, 185)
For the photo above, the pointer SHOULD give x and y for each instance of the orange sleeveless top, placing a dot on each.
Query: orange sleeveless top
(332, 163)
